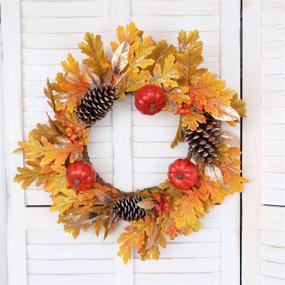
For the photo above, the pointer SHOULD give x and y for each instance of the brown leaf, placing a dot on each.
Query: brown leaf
(179, 137)
(153, 237)
(120, 58)
(146, 204)
(230, 138)
(101, 196)
(227, 114)
(214, 173)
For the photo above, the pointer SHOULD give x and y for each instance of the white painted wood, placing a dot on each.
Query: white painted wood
(171, 8)
(65, 25)
(179, 279)
(86, 279)
(43, 9)
(188, 265)
(230, 72)
(3, 194)
(251, 141)
(16, 251)
(122, 137)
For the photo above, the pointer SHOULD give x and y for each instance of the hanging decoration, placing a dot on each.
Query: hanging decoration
(160, 76)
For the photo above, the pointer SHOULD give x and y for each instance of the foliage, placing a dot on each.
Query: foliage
(192, 92)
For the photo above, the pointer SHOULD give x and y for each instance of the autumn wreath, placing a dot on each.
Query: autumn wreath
(158, 75)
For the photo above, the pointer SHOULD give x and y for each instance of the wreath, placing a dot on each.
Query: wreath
(158, 75)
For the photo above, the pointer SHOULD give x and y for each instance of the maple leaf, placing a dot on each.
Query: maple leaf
(64, 200)
(49, 153)
(130, 34)
(75, 82)
(187, 211)
(209, 94)
(32, 173)
(214, 191)
(192, 120)
(136, 235)
(167, 224)
(50, 132)
(137, 79)
(97, 60)
(55, 182)
(238, 105)
(190, 41)
(166, 75)
(58, 154)
(189, 57)
(232, 177)
(139, 54)
(161, 51)
(33, 149)
(176, 96)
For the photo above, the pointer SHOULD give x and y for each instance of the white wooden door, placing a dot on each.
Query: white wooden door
(264, 140)
(130, 150)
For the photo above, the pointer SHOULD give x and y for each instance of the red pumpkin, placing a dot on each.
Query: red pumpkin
(150, 99)
(183, 174)
(80, 175)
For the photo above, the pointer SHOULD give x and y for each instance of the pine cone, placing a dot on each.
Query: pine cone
(127, 208)
(96, 103)
(204, 142)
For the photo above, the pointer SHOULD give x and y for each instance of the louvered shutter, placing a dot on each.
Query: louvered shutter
(127, 148)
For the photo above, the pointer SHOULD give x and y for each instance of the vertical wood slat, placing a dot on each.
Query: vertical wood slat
(230, 72)
(16, 247)
(251, 140)
(122, 138)
(3, 196)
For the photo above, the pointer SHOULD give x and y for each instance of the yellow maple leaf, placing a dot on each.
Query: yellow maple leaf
(54, 183)
(130, 34)
(190, 41)
(189, 57)
(192, 120)
(167, 75)
(50, 132)
(64, 200)
(139, 56)
(97, 59)
(161, 51)
(187, 211)
(239, 105)
(32, 173)
(136, 80)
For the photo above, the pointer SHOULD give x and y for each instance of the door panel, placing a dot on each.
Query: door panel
(128, 149)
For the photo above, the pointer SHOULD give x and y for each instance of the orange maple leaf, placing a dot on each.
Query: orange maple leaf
(75, 82)
(192, 120)
(209, 94)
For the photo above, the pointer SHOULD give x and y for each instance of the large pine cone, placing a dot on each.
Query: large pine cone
(204, 142)
(127, 208)
(96, 103)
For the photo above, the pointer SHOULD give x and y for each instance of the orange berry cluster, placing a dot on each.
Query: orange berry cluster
(183, 109)
(74, 133)
(163, 203)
